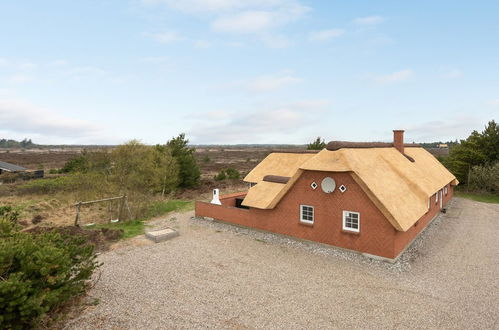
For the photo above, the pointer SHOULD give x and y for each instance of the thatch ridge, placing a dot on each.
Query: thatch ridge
(337, 145)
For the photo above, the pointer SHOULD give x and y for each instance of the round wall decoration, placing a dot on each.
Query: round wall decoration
(328, 185)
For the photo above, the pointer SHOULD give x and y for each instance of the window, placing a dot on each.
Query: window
(445, 190)
(307, 214)
(351, 221)
(436, 198)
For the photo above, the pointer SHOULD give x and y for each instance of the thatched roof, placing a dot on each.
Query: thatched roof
(399, 187)
(276, 179)
(337, 145)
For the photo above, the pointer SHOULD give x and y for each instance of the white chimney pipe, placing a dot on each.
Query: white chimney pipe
(215, 199)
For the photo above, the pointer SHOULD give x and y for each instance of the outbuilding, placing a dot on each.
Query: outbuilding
(7, 167)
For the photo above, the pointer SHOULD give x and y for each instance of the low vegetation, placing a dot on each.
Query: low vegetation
(230, 173)
(485, 198)
(39, 272)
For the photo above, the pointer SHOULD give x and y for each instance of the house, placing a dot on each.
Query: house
(374, 198)
(443, 145)
(7, 167)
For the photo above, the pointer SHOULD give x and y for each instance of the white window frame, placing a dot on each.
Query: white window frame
(445, 190)
(310, 222)
(436, 197)
(345, 213)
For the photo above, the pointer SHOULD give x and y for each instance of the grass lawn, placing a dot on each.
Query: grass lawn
(136, 227)
(485, 198)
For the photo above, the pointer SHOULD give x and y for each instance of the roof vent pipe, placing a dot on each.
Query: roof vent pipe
(398, 140)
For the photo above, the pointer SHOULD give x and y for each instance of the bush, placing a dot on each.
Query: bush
(484, 178)
(318, 144)
(189, 172)
(48, 185)
(220, 176)
(232, 173)
(39, 272)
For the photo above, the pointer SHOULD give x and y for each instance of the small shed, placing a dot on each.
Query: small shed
(7, 167)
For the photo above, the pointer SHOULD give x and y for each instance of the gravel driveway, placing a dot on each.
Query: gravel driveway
(219, 276)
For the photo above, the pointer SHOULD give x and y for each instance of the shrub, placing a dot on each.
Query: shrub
(220, 176)
(48, 185)
(232, 173)
(484, 178)
(189, 172)
(318, 144)
(39, 272)
(206, 159)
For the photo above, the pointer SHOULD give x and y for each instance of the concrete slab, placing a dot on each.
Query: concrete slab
(161, 234)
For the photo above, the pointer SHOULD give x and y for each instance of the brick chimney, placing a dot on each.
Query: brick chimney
(398, 140)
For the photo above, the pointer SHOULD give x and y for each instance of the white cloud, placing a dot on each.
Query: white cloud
(272, 123)
(79, 71)
(452, 74)
(239, 16)
(21, 78)
(59, 62)
(494, 103)
(20, 117)
(155, 59)
(267, 83)
(275, 41)
(3, 61)
(325, 35)
(217, 6)
(395, 77)
(166, 37)
(368, 20)
(27, 66)
(444, 130)
(202, 44)
(252, 21)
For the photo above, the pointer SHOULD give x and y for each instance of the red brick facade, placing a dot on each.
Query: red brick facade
(376, 236)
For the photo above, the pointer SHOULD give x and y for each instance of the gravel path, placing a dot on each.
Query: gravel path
(219, 276)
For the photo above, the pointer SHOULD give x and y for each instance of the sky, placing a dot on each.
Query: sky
(246, 71)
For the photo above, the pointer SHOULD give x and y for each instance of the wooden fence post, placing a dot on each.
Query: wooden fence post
(77, 219)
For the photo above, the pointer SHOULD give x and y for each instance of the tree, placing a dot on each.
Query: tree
(318, 144)
(478, 149)
(189, 173)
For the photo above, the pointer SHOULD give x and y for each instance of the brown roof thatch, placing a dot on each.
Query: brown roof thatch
(337, 145)
(399, 187)
(276, 178)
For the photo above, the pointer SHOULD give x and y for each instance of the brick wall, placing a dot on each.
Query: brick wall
(377, 236)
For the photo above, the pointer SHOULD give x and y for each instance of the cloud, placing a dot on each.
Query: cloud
(202, 44)
(444, 130)
(452, 74)
(239, 16)
(20, 117)
(21, 78)
(268, 83)
(494, 103)
(217, 6)
(325, 35)
(59, 62)
(395, 77)
(3, 61)
(368, 20)
(257, 21)
(274, 123)
(155, 59)
(275, 41)
(166, 37)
